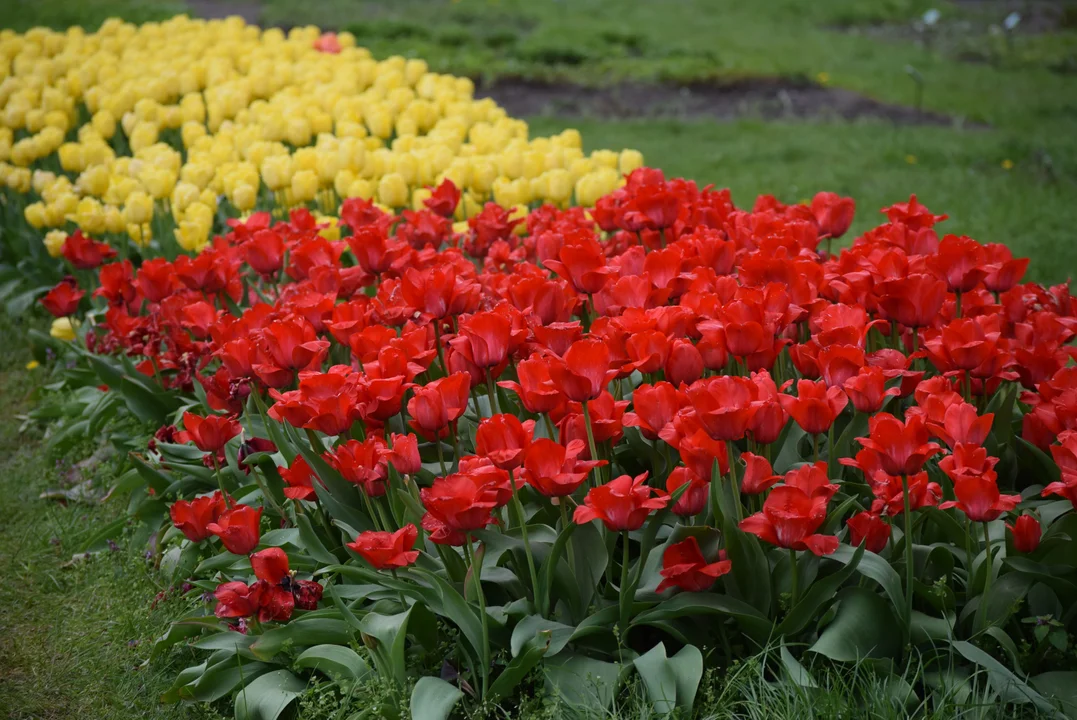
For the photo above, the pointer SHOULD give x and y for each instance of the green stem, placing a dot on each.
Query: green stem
(626, 599)
(494, 405)
(591, 442)
(733, 479)
(549, 427)
(831, 458)
(990, 570)
(370, 510)
(907, 512)
(441, 457)
(220, 482)
(520, 518)
(716, 487)
(563, 506)
(400, 594)
(476, 571)
(441, 353)
(794, 578)
(815, 447)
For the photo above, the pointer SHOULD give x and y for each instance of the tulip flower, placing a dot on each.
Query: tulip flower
(300, 478)
(758, 475)
(815, 406)
(238, 529)
(684, 567)
(724, 406)
(404, 454)
(237, 600)
(556, 470)
(870, 529)
(438, 404)
(64, 298)
(194, 517)
(209, 433)
(694, 499)
(621, 504)
(444, 199)
(789, 520)
(867, 389)
(833, 213)
(460, 503)
(387, 550)
(1026, 531)
(902, 448)
(362, 463)
(85, 253)
(536, 389)
(584, 372)
(913, 301)
(504, 440)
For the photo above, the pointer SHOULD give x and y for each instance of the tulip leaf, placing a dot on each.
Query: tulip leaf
(1011, 689)
(311, 542)
(303, 632)
(749, 576)
(389, 638)
(670, 682)
(863, 627)
(339, 497)
(530, 655)
(797, 673)
(874, 567)
(583, 683)
(789, 454)
(686, 604)
(336, 661)
(1060, 685)
(228, 640)
(452, 606)
(433, 699)
(821, 592)
(222, 678)
(268, 696)
(1036, 465)
(532, 625)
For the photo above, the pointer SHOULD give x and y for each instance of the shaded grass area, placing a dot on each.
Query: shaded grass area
(73, 632)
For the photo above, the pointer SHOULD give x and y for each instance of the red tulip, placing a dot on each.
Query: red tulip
(1026, 532)
(789, 520)
(913, 301)
(978, 497)
(504, 440)
(484, 339)
(694, 499)
(698, 450)
(584, 372)
(438, 404)
(193, 517)
(870, 529)
(270, 565)
(758, 475)
(813, 479)
(962, 426)
(959, 260)
(621, 504)
(582, 262)
(237, 600)
(460, 503)
(555, 470)
(444, 199)
(387, 550)
(815, 406)
(362, 463)
(438, 292)
(833, 213)
(85, 253)
(724, 405)
(285, 347)
(265, 252)
(867, 389)
(404, 455)
(238, 529)
(839, 363)
(685, 363)
(210, 433)
(536, 390)
(648, 351)
(902, 448)
(607, 418)
(300, 479)
(118, 284)
(770, 417)
(275, 602)
(964, 344)
(64, 299)
(326, 402)
(684, 567)
(654, 407)
(1003, 272)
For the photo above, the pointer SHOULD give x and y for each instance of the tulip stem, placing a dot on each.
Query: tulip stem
(370, 510)
(626, 599)
(831, 458)
(437, 343)
(908, 554)
(990, 569)
(563, 506)
(591, 441)
(494, 405)
(794, 579)
(476, 571)
(520, 518)
(549, 426)
(400, 593)
(734, 485)
(716, 487)
(815, 447)
(220, 482)
(441, 457)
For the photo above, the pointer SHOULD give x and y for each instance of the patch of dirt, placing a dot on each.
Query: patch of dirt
(249, 10)
(767, 99)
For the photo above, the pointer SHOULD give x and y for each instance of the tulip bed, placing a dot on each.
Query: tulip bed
(555, 449)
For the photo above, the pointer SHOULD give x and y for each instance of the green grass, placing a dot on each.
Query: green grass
(73, 632)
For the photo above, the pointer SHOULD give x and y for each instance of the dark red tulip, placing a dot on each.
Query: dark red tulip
(444, 199)
(1026, 532)
(64, 299)
(387, 550)
(621, 504)
(870, 529)
(684, 567)
(85, 253)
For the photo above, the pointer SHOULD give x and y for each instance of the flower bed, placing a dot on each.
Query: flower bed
(564, 447)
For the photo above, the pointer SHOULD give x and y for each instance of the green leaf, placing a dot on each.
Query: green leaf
(455, 608)
(312, 543)
(749, 577)
(670, 682)
(336, 661)
(229, 640)
(874, 567)
(433, 699)
(1011, 689)
(689, 604)
(390, 632)
(303, 632)
(268, 696)
(582, 682)
(798, 674)
(532, 652)
(1060, 685)
(789, 454)
(1035, 464)
(863, 628)
(820, 593)
(532, 625)
(222, 678)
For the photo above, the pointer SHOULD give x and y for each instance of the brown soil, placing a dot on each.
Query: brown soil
(767, 99)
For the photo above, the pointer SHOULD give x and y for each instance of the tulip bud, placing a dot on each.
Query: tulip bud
(393, 191)
(54, 242)
(1026, 531)
(62, 329)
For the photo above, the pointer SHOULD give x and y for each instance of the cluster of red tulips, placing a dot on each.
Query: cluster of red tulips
(696, 377)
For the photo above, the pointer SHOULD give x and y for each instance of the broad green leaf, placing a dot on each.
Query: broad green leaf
(750, 573)
(1060, 685)
(222, 678)
(670, 682)
(453, 607)
(797, 673)
(310, 541)
(1011, 689)
(692, 605)
(582, 682)
(390, 634)
(874, 567)
(228, 640)
(530, 655)
(336, 661)
(863, 628)
(303, 632)
(268, 696)
(532, 625)
(820, 593)
(433, 699)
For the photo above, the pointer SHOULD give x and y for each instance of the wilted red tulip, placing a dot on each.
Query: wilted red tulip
(902, 448)
(504, 440)
(387, 550)
(85, 253)
(789, 520)
(815, 406)
(870, 529)
(584, 372)
(209, 433)
(1026, 531)
(684, 567)
(270, 565)
(300, 479)
(194, 517)
(238, 529)
(724, 405)
(621, 504)
(64, 299)
(867, 390)
(436, 405)
(694, 499)
(758, 474)
(555, 470)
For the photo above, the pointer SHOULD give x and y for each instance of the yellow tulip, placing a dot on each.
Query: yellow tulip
(114, 222)
(304, 186)
(35, 215)
(54, 242)
(63, 329)
(90, 216)
(393, 190)
(630, 160)
(192, 236)
(243, 198)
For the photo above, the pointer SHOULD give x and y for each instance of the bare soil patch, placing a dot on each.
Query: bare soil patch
(766, 99)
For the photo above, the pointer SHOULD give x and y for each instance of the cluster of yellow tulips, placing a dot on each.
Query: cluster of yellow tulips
(148, 130)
